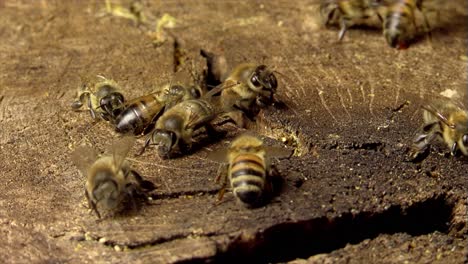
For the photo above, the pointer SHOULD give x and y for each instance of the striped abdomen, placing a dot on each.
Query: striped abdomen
(247, 175)
(140, 112)
(397, 22)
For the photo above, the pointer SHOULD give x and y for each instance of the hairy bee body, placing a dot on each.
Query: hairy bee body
(176, 126)
(110, 181)
(347, 12)
(247, 170)
(105, 103)
(398, 21)
(252, 87)
(443, 120)
(140, 113)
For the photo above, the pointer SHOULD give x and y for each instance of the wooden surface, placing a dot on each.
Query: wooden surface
(348, 194)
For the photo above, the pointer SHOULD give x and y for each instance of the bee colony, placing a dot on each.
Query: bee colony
(234, 131)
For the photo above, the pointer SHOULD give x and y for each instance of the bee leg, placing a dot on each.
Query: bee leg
(76, 105)
(90, 106)
(237, 117)
(92, 205)
(343, 28)
(453, 150)
(221, 173)
(147, 185)
(142, 150)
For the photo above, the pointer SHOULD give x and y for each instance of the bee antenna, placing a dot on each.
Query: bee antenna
(439, 116)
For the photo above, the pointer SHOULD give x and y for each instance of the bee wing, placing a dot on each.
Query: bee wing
(120, 149)
(433, 110)
(84, 157)
(217, 89)
(218, 155)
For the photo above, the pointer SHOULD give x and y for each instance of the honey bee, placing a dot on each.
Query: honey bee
(106, 103)
(251, 87)
(110, 181)
(399, 23)
(348, 12)
(140, 114)
(443, 120)
(176, 126)
(248, 169)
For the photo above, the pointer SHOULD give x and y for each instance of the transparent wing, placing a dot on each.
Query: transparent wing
(219, 155)
(225, 85)
(84, 157)
(120, 148)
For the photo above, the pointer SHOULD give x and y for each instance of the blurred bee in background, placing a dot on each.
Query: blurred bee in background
(110, 182)
(176, 126)
(105, 102)
(216, 68)
(399, 21)
(446, 121)
(347, 12)
(140, 114)
(248, 169)
(251, 87)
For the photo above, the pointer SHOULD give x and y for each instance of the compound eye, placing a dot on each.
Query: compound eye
(255, 81)
(465, 139)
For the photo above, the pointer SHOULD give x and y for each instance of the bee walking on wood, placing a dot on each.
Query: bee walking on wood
(140, 114)
(399, 21)
(248, 169)
(105, 103)
(110, 181)
(446, 121)
(176, 126)
(251, 87)
(348, 12)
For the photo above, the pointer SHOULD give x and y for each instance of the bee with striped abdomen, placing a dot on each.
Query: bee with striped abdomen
(399, 21)
(140, 114)
(105, 102)
(445, 121)
(110, 181)
(248, 169)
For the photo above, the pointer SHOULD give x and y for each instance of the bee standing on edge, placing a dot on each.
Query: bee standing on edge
(248, 169)
(253, 87)
(105, 103)
(140, 114)
(110, 182)
(443, 121)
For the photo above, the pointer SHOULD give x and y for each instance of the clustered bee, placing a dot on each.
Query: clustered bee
(105, 102)
(171, 118)
(253, 87)
(248, 169)
(176, 126)
(347, 12)
(446, 121)
(142, 112)
(397, 17)
(110, 181)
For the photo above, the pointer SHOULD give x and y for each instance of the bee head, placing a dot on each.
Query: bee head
(165, 141)
(263, 79)
(112, 104)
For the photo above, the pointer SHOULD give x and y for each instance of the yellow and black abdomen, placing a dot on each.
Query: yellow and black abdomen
(247, 176)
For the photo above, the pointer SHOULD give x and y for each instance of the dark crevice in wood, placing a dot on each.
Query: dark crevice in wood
(288, 241)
